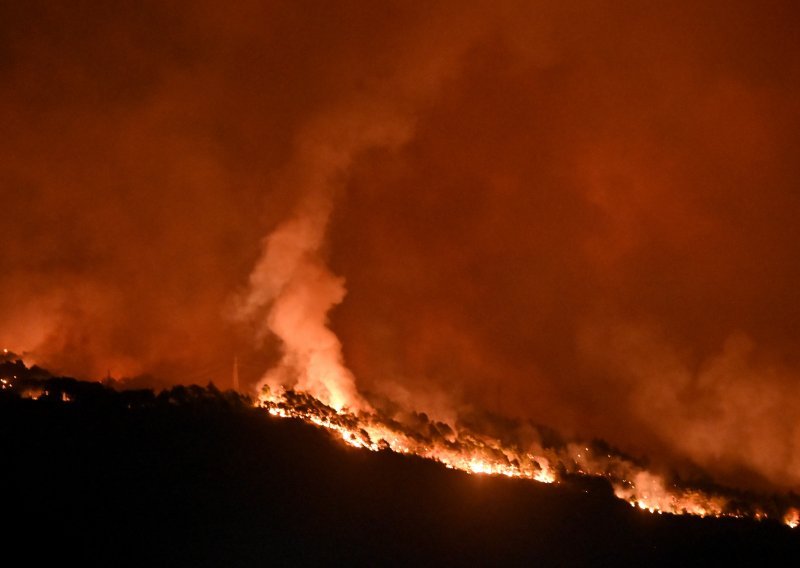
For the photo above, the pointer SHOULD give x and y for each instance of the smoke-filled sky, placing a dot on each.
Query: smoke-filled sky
(583, 213)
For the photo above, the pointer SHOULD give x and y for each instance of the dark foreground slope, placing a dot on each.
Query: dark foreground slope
(195, 477)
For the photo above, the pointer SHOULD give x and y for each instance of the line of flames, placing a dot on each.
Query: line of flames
(485, 458)
(473, 453)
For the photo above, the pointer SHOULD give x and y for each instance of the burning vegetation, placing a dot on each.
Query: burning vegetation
(462, 447)
(148, 472)
(484, 445)
(592, 211)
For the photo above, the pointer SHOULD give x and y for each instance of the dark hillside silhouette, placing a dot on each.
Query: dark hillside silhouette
(194, 476)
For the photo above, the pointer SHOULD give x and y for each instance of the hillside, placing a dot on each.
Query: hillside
(193, 476)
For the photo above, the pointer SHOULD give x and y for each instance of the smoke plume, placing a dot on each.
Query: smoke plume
(291, 281)
(580, 215)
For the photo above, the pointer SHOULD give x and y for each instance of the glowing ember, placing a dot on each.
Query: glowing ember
(33, 393)
(792, 518)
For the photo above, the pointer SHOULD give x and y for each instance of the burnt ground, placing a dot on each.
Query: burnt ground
(197, 477)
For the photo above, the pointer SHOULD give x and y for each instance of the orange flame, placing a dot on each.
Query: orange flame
(467, 452)
(792, 518)
(475, 453)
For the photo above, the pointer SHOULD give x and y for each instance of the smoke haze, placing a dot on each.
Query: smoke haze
(585, 215)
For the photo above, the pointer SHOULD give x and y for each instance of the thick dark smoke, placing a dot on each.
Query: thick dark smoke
(584, 215)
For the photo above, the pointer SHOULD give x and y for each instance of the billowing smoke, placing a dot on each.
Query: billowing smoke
(291, 288)
(582, 215)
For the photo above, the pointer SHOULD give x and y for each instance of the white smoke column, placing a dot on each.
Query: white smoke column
(291, 281)
(291, 289)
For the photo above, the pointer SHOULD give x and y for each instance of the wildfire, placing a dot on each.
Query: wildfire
(792, 518)
(648, 492)
(462, 448)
